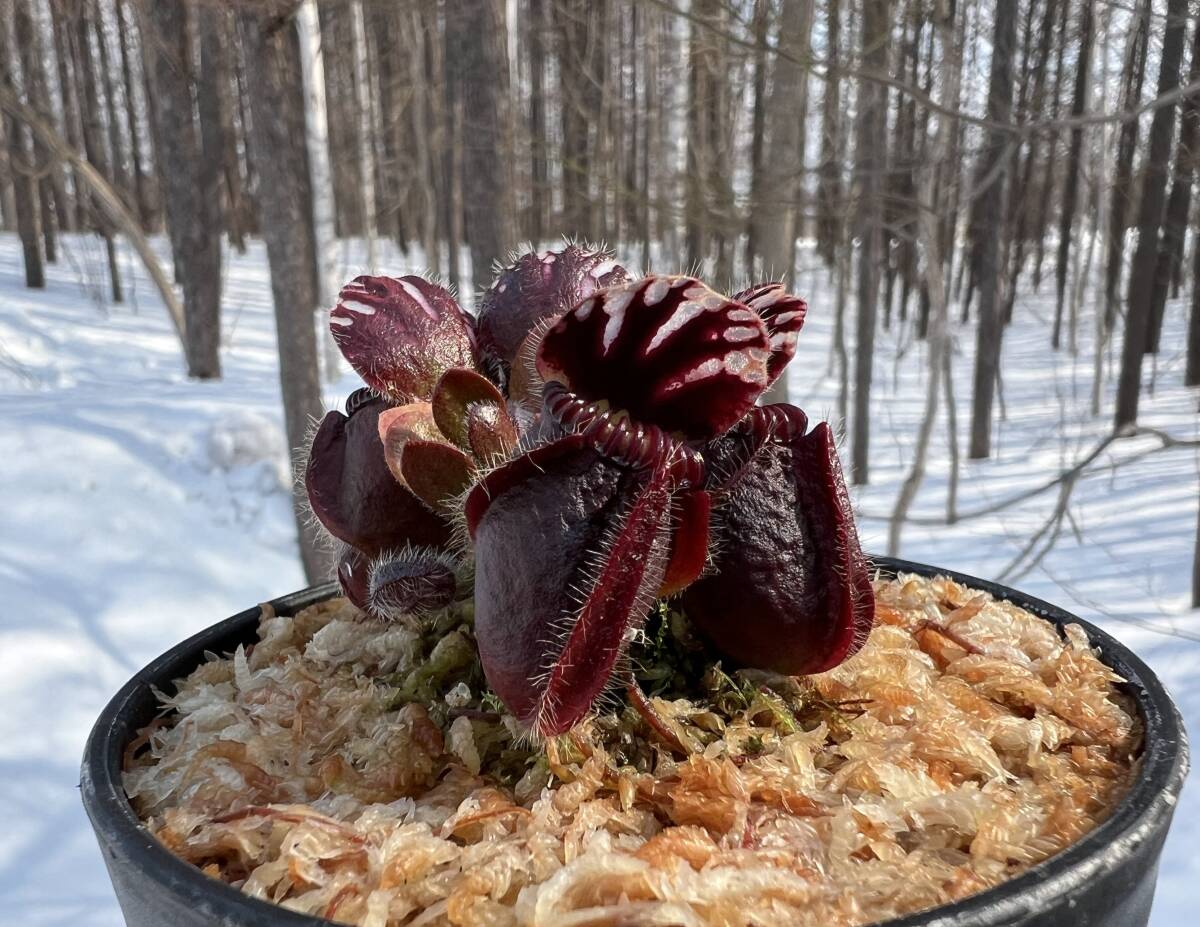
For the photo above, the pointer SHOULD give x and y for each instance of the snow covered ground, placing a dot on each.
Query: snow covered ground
(137, 507)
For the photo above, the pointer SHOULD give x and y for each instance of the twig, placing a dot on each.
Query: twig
(104, 195)
(641, 704)
(829, 72)
(1167, 440)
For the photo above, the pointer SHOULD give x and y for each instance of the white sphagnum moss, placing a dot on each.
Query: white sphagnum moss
(331, 769)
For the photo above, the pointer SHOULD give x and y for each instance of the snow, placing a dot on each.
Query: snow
(139, 506)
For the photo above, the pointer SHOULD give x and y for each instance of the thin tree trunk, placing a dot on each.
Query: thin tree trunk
(365, 136)
(21, 164)
(761, 26)
(51, 187)
(991, 328)
(190, 174)
(1122, 186)
(951, 437)
(8, 199)
(66, 62)
(125, 32)
(1192, 375)
(423, 121)
(1138, 318)
(700, 61)
(869, 161)
(1074, 167)
(116, 146)
(571, 26)
(929, 232)
(830, 205)
(93, 140)
(474, 35)
(539, 181)
(842, 300)
(1196, 570)
(1042, 202)
(316, 137)
(274, 91)
(1187, 156)
(775, 212)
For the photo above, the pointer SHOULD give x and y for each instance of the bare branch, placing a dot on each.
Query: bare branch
(106, 198)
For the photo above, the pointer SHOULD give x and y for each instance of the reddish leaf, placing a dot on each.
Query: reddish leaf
(491, 432)
(402, 424)
(783, 314)
(437, 472)
(667, 350)
(535, 288)
(401, 335)
(690, 513)
(456, 391)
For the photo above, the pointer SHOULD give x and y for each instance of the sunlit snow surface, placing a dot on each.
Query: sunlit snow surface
(137, 507)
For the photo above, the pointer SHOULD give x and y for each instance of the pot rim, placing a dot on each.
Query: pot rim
(1142, 811)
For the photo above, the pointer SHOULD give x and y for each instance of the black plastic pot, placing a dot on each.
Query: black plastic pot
(1107, 878)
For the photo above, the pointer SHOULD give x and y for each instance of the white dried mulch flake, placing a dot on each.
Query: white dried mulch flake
(967, 741)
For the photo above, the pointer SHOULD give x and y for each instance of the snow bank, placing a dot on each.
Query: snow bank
(139, 507)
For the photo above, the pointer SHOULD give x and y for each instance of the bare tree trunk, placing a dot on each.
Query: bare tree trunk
(21, 164)
(1187, 157)
(366, 134)
(125, 27)
(1074, 167)
(830, 208)
(869, 161)
(191, 190)
(1122, 186)
(951, 437)
(651, 127)
(211, 101)
(423, 122)
(312, 66)
(774, 221)
(1196, 570)
(775, 213)
(8, 199)
(1023, 201)
(116, 146)
(51, 188)
(1042, 202)
(1138, 318)
(475, 36)
(761, 26)
(842, 299)
(991, 328)
(1192, 375)
(65, 61)
(577, 83)
(539, 181)
(929, 231)
(88, 81)
(700, 63)
(273, 86)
